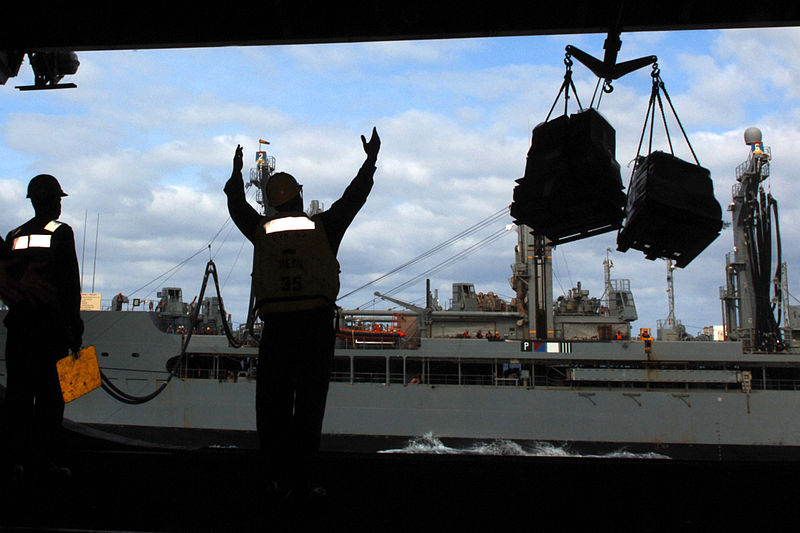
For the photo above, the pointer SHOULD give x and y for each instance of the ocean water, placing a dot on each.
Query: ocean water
(429, 444)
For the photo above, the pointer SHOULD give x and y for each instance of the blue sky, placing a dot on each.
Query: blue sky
(146, 142)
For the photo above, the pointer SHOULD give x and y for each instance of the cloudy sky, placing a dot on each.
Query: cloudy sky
(144, 145)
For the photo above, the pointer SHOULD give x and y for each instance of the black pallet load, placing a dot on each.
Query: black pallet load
(572, 187)
(671, 211)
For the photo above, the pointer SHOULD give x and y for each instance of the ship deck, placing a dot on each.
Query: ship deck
(128, 489)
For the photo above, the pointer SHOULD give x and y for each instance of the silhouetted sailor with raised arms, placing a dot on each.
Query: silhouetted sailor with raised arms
(296, 282)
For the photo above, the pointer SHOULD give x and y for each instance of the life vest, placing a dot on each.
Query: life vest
(40, 239)
(30, 251)
(31, 254)
(294, 268)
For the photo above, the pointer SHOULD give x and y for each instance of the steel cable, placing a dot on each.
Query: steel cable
(469, 231)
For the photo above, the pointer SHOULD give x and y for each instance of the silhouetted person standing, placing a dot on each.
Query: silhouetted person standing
(43, 325)
(296, 282)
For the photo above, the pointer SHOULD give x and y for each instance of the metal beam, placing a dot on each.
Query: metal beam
(108, 26)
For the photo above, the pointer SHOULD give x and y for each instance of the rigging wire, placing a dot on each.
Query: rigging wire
(472, 229)
(171, 270)
(254, 196)
(174, 269)
(235, 261)
(565, 87)
(225, 240)
(594, 94)
(793, 297)
(657, 89)
(558, 280)
(459, 256)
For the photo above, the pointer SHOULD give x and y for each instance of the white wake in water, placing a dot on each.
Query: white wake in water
(429, 444)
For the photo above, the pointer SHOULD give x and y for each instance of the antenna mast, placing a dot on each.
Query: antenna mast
(670, 294)
(259, 176)
(749, 301)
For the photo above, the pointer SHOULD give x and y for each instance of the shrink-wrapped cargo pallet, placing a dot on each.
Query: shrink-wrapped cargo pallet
(671, 211)
(572, 187)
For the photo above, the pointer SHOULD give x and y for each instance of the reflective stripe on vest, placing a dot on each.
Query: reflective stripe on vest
(289, 224)
(31, 241)
(52, 226)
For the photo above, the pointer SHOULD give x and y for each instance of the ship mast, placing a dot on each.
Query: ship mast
(607, 265)
(533, 283)
(749, 309)
(608, 290)
(670, 329)
(259, 176)
(671, 293)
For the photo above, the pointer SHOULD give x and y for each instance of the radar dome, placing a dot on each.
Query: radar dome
(752, 135)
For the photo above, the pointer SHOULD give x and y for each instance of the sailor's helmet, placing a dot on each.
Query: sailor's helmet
(44, 186)
(281, 188)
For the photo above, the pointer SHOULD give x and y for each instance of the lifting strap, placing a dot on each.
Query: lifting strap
(655, 98)
(566, 85)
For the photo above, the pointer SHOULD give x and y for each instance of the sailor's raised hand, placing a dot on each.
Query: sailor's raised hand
(373, 146)
(234, 183)
(237, 160)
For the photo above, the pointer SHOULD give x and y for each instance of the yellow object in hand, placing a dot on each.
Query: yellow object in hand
(79, 374)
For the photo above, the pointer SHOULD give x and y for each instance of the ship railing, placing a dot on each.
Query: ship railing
(378, 344)
(413, 376)
(373, 344)
(221, 375)
(432, 379)
(776, 384)
(216, 367)
(644, 385)
(757, 385)
(621, 284)
(753, 165)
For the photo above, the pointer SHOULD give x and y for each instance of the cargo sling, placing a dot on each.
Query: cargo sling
(670, 211)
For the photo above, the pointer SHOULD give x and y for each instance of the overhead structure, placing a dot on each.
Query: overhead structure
(69, 28)
(49, 67)
(118, 26)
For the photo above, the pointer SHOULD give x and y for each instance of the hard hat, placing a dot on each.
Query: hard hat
(44, 186)
(281, 188)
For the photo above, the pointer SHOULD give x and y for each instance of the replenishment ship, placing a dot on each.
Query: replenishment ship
(568, 371)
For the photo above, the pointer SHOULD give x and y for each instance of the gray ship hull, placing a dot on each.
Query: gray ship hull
(383, 411)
